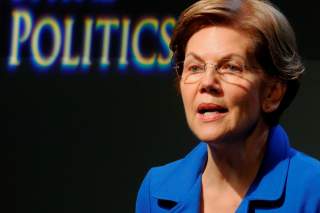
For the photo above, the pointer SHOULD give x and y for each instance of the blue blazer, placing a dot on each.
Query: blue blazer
(287, 182)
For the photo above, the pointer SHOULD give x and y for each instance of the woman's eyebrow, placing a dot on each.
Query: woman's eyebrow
(232, 56)
(194, 55)
(225, 57)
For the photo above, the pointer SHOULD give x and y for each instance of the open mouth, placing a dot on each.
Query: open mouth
(210, 108)
(210, 112)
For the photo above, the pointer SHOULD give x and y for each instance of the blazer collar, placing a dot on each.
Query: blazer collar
(179, 183)
(268, 185)
(271, 179)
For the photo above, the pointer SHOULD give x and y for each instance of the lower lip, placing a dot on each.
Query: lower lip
(210, 117)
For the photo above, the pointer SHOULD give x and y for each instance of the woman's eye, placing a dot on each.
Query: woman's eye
(195, 68)
(229, 67)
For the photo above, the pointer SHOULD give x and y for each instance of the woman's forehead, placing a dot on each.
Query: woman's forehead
(217, 42)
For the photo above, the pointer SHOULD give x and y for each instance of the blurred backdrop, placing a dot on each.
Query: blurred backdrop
(88, 100)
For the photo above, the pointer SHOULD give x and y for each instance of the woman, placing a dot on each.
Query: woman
(238, 70)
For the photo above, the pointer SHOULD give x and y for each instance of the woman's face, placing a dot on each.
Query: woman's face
(221, 108)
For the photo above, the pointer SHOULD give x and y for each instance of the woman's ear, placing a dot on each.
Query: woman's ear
(273, 95)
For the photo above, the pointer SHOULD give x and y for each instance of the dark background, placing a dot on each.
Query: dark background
(83, 142)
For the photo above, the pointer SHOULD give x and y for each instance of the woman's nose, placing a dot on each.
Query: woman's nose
(210, 81)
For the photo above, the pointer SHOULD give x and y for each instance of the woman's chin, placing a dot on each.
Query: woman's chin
(210, 132)
(211, 137)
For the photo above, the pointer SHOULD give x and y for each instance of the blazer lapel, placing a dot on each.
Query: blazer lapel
(269, 185)
(183, 186)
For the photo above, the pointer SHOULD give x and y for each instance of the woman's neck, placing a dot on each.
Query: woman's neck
(234, 165)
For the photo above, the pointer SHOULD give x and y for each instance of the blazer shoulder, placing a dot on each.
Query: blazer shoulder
(304, 182)
(309, 165)
(172, 180)
(190, 163)
(304, 174)
(160, 173)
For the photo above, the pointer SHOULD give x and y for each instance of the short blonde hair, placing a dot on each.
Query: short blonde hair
(274, 48)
